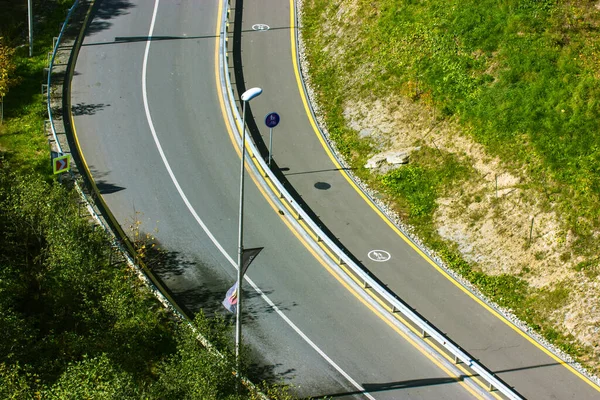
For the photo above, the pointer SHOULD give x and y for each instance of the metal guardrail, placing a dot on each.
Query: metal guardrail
(49, 82)
(394, 304)
(89, 203)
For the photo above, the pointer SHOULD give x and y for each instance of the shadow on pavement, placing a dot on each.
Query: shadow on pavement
(135, 39)
(381, 387)
(315, 172)
(108, 188)
(104, 11)
(87, 109)
(529, 367)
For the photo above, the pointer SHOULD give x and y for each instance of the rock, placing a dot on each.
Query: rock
(398, 157)
(376, 161)
(384, 162)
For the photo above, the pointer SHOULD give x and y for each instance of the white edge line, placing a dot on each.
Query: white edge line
(205, 228)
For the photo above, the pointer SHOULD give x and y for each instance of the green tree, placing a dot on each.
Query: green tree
(14, 382)
(7, 68)
(95, 378)
(194, 373)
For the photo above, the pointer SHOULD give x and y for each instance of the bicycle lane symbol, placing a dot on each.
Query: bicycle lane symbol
(379, 255)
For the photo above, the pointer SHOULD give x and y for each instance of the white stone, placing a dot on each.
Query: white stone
(375, 162)
(398, 157)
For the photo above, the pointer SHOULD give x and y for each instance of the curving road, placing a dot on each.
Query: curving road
(268, 60)
(151, 129)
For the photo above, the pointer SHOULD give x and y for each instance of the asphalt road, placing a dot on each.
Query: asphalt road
(268, 62)
(160, 153)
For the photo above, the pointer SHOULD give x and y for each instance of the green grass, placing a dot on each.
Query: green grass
(22, 135)
(591, 268)
(416, 187)
(22, 138)
(519, 76)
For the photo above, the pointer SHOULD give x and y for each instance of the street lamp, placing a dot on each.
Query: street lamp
(30, 24)
(246, 97)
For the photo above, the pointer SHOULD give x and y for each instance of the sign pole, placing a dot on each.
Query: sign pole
(270, 146)
(271, 121)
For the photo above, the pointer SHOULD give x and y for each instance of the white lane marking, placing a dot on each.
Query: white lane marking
(379, 255)
(205, 228)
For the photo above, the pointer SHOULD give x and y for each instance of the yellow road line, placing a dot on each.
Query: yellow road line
(395, 228)
(294, 231)
(120, 233)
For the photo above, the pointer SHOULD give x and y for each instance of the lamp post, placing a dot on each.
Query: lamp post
(246, 97)
(30, 24)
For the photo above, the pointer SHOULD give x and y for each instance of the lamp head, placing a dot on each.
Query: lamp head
(251, 93)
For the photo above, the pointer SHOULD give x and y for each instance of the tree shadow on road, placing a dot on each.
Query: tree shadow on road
(87, 109)
(107, 187)
(104, 187)
(105, 10)
(198, 286)
(387, 386)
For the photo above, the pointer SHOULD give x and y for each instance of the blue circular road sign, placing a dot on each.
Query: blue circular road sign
(272, 120)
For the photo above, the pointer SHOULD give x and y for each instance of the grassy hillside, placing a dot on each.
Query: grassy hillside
(490, 91)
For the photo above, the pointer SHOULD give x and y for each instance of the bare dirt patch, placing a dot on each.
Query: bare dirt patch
(495, 219)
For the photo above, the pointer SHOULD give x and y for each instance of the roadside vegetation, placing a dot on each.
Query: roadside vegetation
(77, 322)
(517, 80)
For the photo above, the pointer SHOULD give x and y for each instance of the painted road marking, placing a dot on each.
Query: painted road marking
(195, 214)
(229, 124)
(445, 274)
(379, 255)
(260, 27)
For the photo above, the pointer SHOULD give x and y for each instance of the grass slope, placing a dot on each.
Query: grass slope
(518, 77)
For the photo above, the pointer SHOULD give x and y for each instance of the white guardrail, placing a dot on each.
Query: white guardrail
(49, 82)
(394, 304)
(89, 203)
